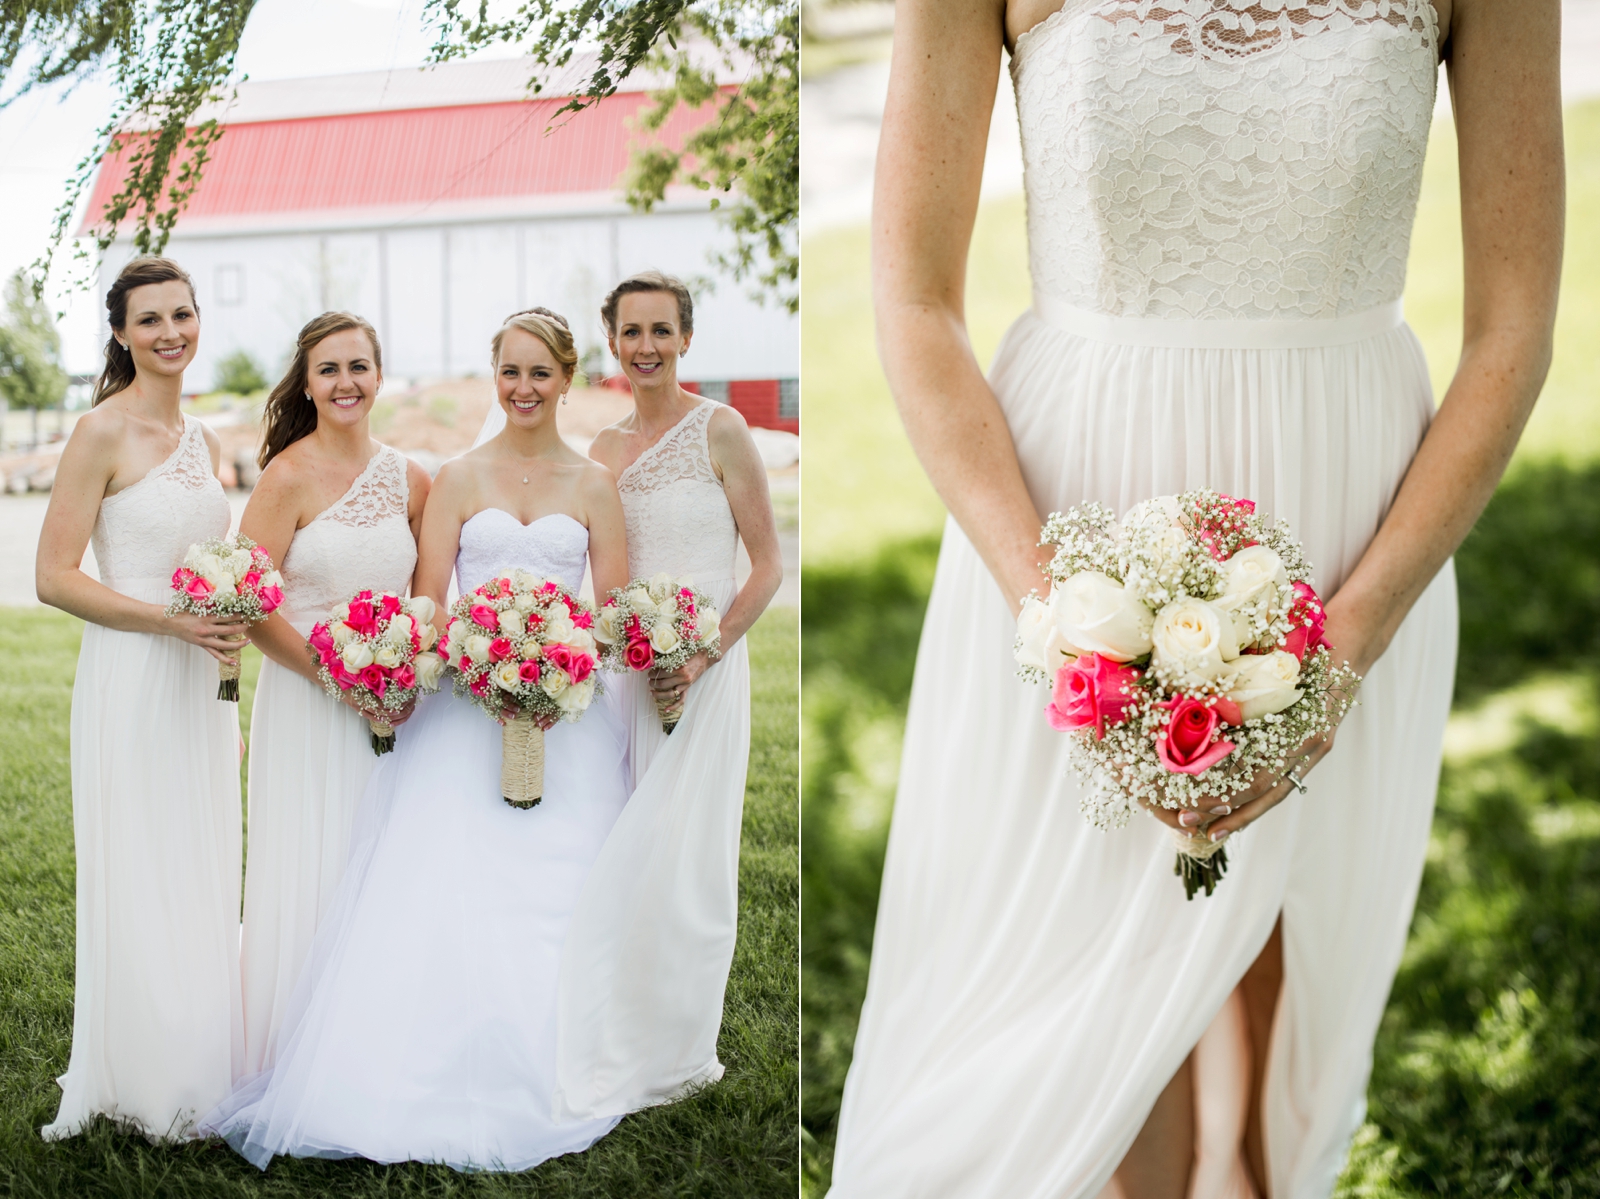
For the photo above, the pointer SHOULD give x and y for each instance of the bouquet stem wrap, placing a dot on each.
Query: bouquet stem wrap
(669, 718)
(1201, 862)
(382, 736)
(522, 762)
(228, 672)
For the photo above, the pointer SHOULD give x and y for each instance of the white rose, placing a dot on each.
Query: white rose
(580, 640)
(511, 623)
(559, 629)
(640, 599)
(357, 655)
(554, 682)
(430, 670)
(192, 556)
(505, 675)
(1251, 581)
(525, 602)
(400, 629)
(1042, 644)
(427, 636)
(664, 638)
(272, 579)
(239, 563)
(709, 622)
(662, 586)
(608, 625)
(1192, 642)
(531, 649)
(575, 698)
(1265, 683)
(387, 656)
(342, 612)
(525, 580)
(477, 647)
(343, 634)
(558, 610)
(1099, 615)
(422, 609)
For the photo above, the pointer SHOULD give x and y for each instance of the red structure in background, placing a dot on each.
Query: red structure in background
(759, 401)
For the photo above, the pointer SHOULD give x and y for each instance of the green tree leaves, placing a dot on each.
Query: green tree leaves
(30, 351)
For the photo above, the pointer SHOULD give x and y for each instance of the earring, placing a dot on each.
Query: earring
(309, 400)
(563, 397)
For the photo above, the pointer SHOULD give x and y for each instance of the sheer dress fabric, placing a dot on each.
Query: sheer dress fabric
(423, 1025)
(311, 754)
(157, 1036)
(1220, 200)
(645, 967)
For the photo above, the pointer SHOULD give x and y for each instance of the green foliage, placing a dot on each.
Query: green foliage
(30, 351)
(733, 1140)
(240, 374)
(167, 58)
(753, 145)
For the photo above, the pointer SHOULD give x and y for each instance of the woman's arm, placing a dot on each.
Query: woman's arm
(88, 462)
(942, 84)
(440, 539)
(271, 519)
(418, 485)
(608, 531)
(1505, 92)
(744, 481)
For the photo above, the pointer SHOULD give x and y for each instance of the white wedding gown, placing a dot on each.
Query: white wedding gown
(423, 1027)
(310, 755)
(1220, 200)
(643, 973)
(156, 1031)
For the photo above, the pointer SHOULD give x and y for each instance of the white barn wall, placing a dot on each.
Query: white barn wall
(436, 293)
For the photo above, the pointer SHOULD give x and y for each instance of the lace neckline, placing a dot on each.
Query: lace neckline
(651, 449)
(355, 486)
(535, 521)
(1179, 13)
(189, 426)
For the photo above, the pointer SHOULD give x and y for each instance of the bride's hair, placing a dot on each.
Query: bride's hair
(549, 327)
(119, 372)
(649, 281)
(290, 415)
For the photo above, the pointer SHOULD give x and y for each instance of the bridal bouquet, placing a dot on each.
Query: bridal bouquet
(379, 644)
(523, 649)
(657, 624)
(227, 576)
(1184, 648)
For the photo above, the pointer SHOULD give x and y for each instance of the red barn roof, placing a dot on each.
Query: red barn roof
(410, 164)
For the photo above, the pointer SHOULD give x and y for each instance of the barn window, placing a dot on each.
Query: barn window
(230, 285)
(788, 399)
(717, 391)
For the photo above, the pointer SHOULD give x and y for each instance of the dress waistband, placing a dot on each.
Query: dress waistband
(1297, 334)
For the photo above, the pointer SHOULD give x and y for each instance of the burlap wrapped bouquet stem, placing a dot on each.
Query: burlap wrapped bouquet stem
(382, 735)
(228, 671)
(522, 762)
(669, 709)
(1201, 862)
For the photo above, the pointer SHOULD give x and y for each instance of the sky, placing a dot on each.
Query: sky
(44, 134)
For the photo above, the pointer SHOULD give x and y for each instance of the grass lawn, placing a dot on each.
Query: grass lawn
(1485, 1080)
(732, 1140)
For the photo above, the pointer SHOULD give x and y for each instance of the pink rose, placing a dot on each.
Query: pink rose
(480, 685)
(1218, 528)
(374, 679)
(388, 606)
(528, 672)
(1091, 692)
(484, 615)
(639, 655)
(1306, 621)
(361, 618)
(580, 667)
(500, 649)
(252, 578)
(584, 620)
(259, 554)
(180, 579)
(1190, 744)
(549, 587)
(271, 598)
(321, 639)
(559, 656)
(341, 674)
(363, 595)
(198, 587)
(404, 675)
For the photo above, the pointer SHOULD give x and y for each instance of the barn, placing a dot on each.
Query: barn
(435, 202)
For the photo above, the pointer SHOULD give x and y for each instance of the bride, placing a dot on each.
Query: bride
(423, 1027)
(1220, 198)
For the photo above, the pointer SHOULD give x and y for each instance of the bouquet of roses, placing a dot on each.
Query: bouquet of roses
(379, 645)
(523, 651)
(657, 624)
(1184, 647)
(227, 576)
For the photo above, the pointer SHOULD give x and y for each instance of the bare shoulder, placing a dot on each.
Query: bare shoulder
(99, 431)
(213, 442)
(457, 478)
(418, 481)
(606, 448)
(596, 481)
(728, 433)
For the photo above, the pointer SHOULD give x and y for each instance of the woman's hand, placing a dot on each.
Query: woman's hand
(353, 700)
(220, 636)
(668, 687)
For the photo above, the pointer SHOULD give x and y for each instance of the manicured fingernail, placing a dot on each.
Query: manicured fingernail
(1221, 810)
(1188, 819)
(1219, 837)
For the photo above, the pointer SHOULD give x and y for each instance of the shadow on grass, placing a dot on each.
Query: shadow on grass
(1485, 1081)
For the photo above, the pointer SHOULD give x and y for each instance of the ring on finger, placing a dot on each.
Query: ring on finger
(1293, 779)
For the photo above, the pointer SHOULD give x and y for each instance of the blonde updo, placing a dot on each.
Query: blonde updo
(549, 327)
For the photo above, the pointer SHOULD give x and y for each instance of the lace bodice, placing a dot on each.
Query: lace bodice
(554, 546)
(676, 511)
(143, 531)
(1230, 159)
(361, 540)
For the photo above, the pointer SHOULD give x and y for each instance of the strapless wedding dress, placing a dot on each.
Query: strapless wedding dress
(1220, 199)
(310, 755)
(156, 1032)
(423, 1026)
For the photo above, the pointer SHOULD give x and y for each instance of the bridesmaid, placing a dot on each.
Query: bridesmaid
(339, 512)
(646, 961)
(156, 1033)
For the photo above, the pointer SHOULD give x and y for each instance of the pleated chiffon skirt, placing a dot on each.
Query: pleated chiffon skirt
(310, 760)
(1035, 983)
(157, 1036)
